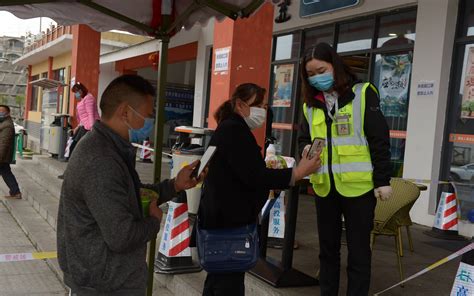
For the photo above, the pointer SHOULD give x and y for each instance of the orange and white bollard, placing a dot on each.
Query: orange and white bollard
(145, 154)
(174, 254)
(446, 219)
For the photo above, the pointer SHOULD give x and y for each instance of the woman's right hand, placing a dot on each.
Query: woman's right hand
(307, 166)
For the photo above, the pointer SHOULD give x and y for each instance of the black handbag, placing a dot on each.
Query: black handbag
(229, 249)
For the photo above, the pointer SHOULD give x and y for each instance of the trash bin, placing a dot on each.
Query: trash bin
(58, 135)
(15, 145)
(184, 152)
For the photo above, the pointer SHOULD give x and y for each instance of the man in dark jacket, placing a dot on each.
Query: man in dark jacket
(102, 232)
(7, 138)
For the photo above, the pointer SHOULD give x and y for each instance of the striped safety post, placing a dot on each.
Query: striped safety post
(145, 154)
(446, 219)
(174, 255)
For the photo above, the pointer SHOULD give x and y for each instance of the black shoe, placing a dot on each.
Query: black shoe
(61, 177)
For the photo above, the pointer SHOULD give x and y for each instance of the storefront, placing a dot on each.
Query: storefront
(458, 153)
(378, 48)
(405, 48)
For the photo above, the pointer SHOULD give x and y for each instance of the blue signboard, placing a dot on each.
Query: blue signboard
(312, 7)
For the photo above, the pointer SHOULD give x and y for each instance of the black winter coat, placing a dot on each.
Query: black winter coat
(238, 181)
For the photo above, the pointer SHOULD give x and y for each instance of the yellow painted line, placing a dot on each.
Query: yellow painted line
(45, 255)
(16, 257)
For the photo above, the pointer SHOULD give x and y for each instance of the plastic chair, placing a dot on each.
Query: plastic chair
(390, 215)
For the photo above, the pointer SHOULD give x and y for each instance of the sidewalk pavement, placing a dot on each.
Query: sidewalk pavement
(384, 264)
(26, 277)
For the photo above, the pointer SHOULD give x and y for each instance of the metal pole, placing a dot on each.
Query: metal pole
(159, 124)
(290, 228)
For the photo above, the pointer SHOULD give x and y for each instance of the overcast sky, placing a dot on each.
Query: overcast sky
(10, 25)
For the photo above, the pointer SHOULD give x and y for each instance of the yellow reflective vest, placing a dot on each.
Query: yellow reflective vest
(351, 164)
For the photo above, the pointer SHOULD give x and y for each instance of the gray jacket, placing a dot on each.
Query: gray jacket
(101, 231)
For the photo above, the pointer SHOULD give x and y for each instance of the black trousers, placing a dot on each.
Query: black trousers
(224, 284)
(9, 178)
(81, 132)
(359, 219)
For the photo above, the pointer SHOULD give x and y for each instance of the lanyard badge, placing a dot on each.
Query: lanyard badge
(343, 125)
(342, 121)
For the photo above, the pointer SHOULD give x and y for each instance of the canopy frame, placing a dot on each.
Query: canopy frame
(162, 33)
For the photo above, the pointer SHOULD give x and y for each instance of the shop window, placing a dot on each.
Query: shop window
(355, 36)
(391, 76)
(287, 47)
(460, 139)
(458, 159)
(397, 29)
(59, 75)
(283, 104)
(359, 65)
(34, 95)
(467, 18)
(318, 35)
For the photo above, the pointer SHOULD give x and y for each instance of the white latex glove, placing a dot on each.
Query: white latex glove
(383, 193)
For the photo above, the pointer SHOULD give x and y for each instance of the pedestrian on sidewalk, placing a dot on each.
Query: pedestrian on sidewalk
(102, 233)
(356, 164)
(7, 148)
(87, 115)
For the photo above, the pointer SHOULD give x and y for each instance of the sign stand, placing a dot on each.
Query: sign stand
(282, 274)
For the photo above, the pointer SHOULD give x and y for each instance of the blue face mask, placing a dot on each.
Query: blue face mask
(3, 115)
(78, 95)
(140, 135)
(322, 82)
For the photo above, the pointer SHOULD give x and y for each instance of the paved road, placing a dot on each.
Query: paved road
(27, 277)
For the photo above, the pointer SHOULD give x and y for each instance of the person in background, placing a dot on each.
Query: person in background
(355, 163)
(238, 182)
(102, 232)
(7, 148)
(87, 114)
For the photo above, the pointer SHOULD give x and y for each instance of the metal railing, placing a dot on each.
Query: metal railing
(51, 34)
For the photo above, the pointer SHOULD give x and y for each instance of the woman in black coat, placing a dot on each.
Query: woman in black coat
(238, 181)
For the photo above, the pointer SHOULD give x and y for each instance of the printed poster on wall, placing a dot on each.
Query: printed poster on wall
(283, 85)
(221, 63)
(394, 83)
(467, 106)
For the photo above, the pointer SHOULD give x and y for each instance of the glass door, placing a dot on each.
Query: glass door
(391, 75)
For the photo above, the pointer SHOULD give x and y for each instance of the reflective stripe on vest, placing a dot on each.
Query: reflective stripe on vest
(351, 162)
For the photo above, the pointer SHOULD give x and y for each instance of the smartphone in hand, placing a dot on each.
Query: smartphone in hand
(316, 147)
(206, 158)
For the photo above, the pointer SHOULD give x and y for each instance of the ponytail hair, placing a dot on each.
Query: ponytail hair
(244, 92)
(224, 111)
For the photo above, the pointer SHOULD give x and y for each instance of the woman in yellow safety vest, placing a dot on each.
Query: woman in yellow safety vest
(355, 166)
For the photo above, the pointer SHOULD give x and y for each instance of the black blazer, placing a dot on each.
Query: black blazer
(238, 181)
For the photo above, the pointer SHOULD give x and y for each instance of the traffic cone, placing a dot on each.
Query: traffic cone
(174, 255)
(464, 279)
(446, 219)
(145, 154)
